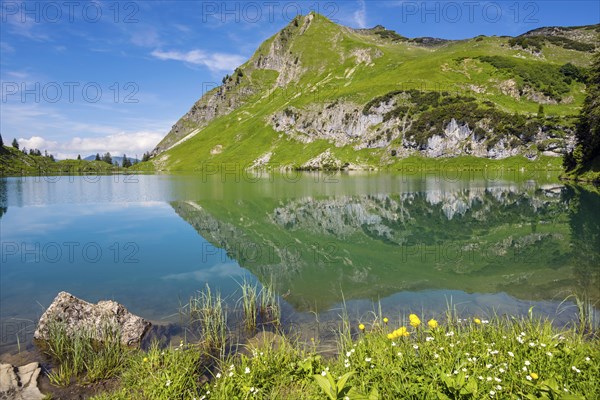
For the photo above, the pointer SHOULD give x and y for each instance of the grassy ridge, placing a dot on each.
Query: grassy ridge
(14, 163)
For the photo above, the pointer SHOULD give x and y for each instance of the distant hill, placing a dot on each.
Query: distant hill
(116, 158)
(14, 162)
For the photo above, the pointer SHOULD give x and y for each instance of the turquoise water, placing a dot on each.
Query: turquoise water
(411, 243)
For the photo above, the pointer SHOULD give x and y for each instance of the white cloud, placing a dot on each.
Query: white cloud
(360, 15)
(216, 62)
(133, 144)
(147, 37)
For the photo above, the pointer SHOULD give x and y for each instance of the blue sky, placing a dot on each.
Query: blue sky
(83, 77)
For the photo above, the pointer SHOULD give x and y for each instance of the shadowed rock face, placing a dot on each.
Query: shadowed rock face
(81, 315)
(20, 383)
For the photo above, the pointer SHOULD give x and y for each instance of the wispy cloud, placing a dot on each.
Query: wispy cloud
(25, 27)
(360, 15)
(216, 62)
(6, 48)
(146, 37)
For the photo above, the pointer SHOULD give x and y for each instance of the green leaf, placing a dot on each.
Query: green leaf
(551, 384)
(326, 386)
(374, 395)
(341, 383)
(571, 397)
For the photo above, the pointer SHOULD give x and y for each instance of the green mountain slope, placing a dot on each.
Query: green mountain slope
(320, 95)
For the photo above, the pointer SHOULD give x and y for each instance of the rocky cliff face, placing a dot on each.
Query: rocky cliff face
(344, 124)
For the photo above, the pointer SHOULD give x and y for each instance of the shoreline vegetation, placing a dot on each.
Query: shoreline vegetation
(26, 165)
(412, 356)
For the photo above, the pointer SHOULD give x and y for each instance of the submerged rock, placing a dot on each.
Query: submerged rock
(20, 383)
(80, 315)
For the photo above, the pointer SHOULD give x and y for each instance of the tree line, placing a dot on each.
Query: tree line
(107, 158)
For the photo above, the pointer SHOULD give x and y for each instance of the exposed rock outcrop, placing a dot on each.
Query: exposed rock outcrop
(20, 383)
(81, 315)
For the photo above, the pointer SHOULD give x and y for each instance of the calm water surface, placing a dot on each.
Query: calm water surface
(414, 243)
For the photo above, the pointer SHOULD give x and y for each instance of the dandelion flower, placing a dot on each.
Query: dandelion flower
(390, 336)
(477, 321)
(533, 375)
(145, 359)
(432, 323)
(361, 327)
(414, 320)
(385, 320)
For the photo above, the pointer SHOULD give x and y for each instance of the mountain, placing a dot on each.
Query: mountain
(117, 159)
(320, 95)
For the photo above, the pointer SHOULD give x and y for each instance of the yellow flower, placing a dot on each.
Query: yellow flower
(385, 320)
(145, 359)
(533, 375)
(361, 327)
(477, 321)
(414, 320)
(390, 336)
(401, 332)
(432, 323)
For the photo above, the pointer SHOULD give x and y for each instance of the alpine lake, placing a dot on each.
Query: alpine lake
(504, 243)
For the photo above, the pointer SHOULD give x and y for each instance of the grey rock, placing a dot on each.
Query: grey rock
(81, 315)
(20, 383)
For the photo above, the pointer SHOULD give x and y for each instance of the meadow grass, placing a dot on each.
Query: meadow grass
(208, 312)
(79, 355)
(411, 357)
(249, 304)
